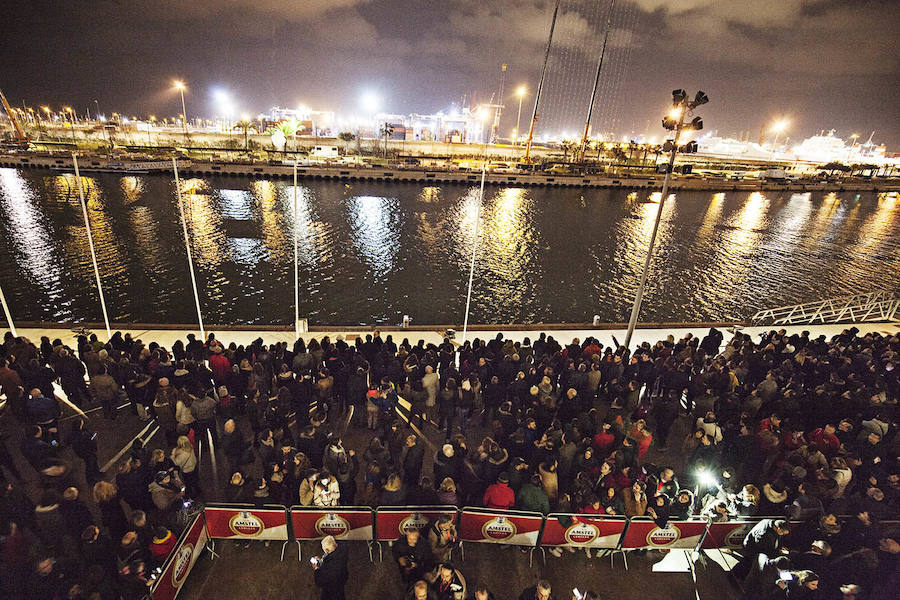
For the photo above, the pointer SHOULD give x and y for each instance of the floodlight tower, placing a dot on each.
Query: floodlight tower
(674, 121)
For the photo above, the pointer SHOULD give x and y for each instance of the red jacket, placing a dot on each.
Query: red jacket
(827, 443)
(499, 495)
(162, 548)
(220, 367)
(603, 443)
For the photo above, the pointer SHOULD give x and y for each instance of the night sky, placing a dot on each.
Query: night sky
(820, 63)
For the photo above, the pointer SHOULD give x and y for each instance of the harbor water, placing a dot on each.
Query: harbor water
(371, 252)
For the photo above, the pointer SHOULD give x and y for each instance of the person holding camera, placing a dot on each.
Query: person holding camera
(442, 538)
(413, 556)
(331, 572)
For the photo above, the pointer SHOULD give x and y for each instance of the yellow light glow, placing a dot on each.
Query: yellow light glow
(780, 125)
(179, 85)
(675, 113)
(521, 91)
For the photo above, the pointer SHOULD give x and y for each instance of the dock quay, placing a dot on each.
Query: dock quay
(426, 176)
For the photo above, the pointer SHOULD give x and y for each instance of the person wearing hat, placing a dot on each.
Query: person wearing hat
(816, 559)
(219, 365)
(500, 495)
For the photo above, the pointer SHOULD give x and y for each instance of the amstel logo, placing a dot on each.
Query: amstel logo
(332, 524)
(499, 529)
(413, 522)
(181, 565)
(735, 538)
(582, 533)
(246, 524)
(663, 536)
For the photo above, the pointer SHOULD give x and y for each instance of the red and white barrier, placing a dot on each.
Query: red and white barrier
(516, 528)
(245, 522)
(643, 533)
(728, 535)
(343, 522)
(585, 531)
(179, 564)
(393, 521)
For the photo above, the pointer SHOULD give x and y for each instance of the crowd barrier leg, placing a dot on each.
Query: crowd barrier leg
(380, 551)
(369, 544)
(211, 546)
(299, 551)
(283, 548)
(462, 552)
(688, 555)
(531, 555)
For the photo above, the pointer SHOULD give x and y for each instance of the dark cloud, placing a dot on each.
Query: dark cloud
(825, 63)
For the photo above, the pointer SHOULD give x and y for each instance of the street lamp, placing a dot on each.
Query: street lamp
(778, 127)
(68, 110)
(521, 94)
(682, 107)
(179, 85)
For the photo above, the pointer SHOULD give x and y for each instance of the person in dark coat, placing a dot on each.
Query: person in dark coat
(331, 572)
(84, 444)
(413, 556)
(766, 537)
(413, 458)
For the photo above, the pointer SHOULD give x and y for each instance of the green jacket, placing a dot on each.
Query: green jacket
(532, 499)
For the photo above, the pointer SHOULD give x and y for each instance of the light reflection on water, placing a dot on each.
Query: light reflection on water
(373, 252)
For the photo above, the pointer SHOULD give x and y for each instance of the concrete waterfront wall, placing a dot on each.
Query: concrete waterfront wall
(422, 176)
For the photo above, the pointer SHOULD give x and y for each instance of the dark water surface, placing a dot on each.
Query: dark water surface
(371, 252)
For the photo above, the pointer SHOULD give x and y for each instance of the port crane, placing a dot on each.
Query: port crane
(21, 138)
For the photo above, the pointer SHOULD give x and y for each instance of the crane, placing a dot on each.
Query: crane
(21, 138)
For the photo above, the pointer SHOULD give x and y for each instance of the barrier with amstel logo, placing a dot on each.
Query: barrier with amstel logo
(643, 533)
(246, 522)
(393, 521)
(728, 535)
(342, 522)
(517, 528)
(179, 564)
(586, 531)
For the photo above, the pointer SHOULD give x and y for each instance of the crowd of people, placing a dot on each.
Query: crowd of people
(797, 429)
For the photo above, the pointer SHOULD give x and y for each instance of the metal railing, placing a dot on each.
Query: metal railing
(858, 308)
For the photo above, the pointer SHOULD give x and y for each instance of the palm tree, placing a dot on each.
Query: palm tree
(246, 125)
(567, 146)
(387, 130)
(289, 128)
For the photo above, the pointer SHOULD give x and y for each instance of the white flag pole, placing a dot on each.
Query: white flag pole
(87, 226)
(9, 321)
(474, 252)
(296, 251)
(187, 247)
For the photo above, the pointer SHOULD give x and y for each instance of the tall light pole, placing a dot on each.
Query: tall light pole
(673, 121)
(179, 85)
(521, 94)
(68, 111)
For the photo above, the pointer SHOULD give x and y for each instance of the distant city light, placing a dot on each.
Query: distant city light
(370, 102)
(780, 125)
